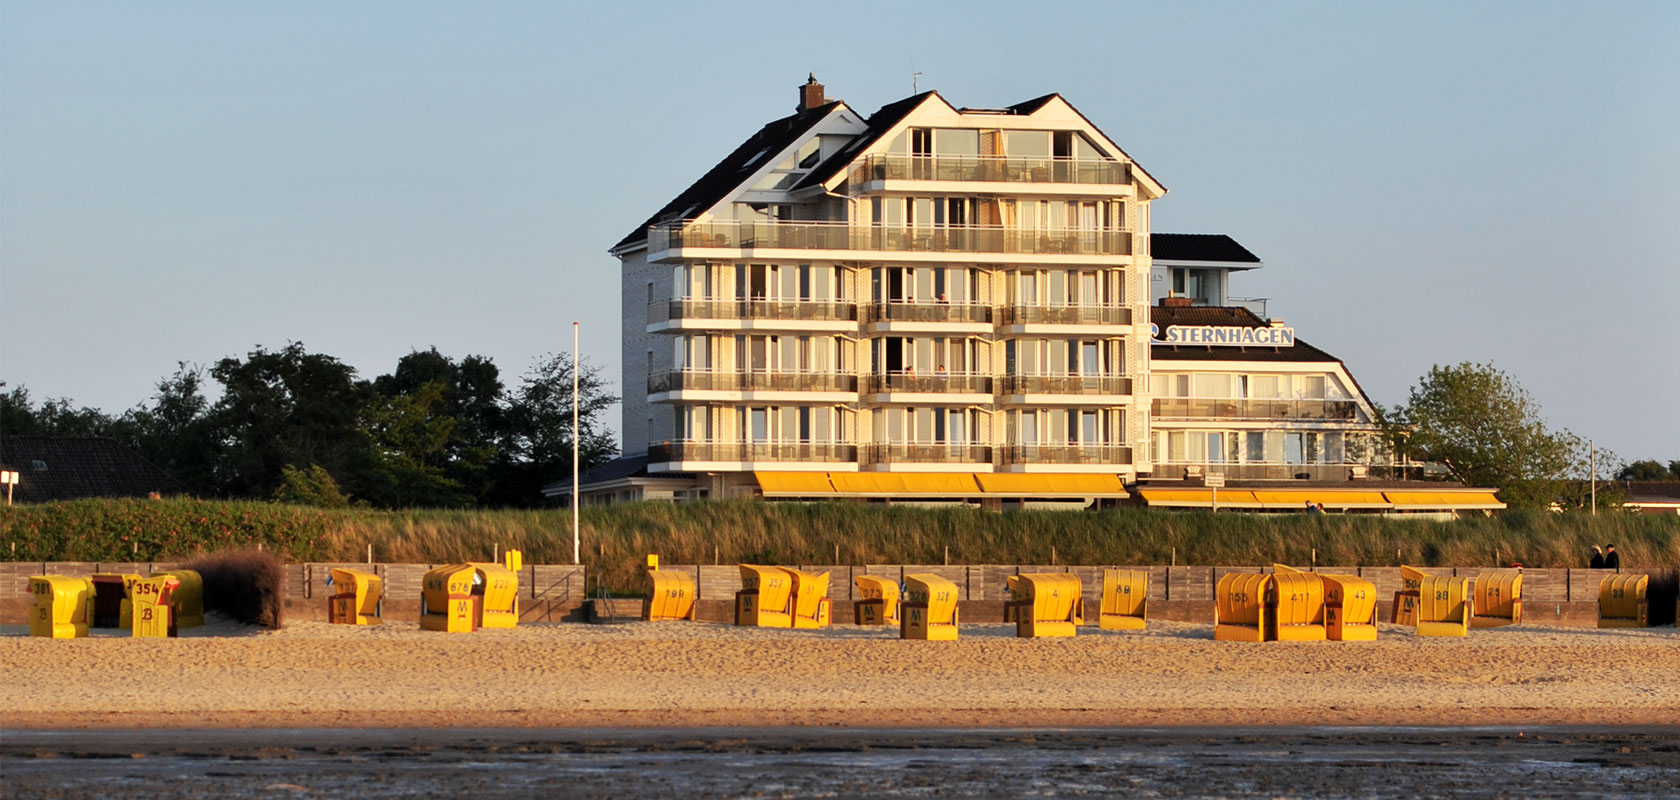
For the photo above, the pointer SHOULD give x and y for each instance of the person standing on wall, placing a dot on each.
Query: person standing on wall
(1597, 561)
(1611, 560)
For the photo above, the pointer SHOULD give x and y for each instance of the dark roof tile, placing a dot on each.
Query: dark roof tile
(734, 168)
(879, 123)
(1198, 247)
(72, 468)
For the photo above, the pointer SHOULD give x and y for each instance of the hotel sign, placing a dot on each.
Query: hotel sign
(1230, 336)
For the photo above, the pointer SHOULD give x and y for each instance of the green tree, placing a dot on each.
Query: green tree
(19, 416)
(176, 431)
(411, 435)
(1486, 430)
(537, 446)
(1647, 471)
(469, 394)
(284, 408)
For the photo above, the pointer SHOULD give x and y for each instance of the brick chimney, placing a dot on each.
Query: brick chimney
(1176, 302)
(811, 94)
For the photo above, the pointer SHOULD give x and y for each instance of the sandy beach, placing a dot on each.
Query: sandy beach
(694, 674)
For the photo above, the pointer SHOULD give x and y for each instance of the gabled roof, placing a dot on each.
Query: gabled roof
(879, 123)
(1198, 247)
(1230, 317)
(72, 468)
(734, 168)
(1034, 104)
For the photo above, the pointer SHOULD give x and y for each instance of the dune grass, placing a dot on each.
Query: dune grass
(614, 539)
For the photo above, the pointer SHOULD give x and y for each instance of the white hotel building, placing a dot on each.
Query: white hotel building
(934, 303)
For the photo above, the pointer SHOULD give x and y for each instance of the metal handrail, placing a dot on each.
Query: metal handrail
(928, 453)
(818, 235)
(926, 311)
(1004, 169)
(733, 308)
(1067, 384)
(751, 380)
(1252, 408)
(929, 382)
(704, 450)
(1067, 454)
(1108, 314)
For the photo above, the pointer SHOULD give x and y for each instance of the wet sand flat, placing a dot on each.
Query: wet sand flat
(685, 674)
(1400, 763)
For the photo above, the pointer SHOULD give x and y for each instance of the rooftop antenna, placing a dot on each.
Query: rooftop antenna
(914, 86)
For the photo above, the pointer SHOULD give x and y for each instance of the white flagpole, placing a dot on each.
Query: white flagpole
(576, 501)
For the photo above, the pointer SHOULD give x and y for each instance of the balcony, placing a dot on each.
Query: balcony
(694, 450)
(1254, 304)
(1067, 315)
(1114, 454)
(927, 454)
(928, 312)
(750, 381)
(1187, 408)
(936, 383)
(1067, 384)
(1293, 472)
(995, 169)
(661, 311)
(885, 238)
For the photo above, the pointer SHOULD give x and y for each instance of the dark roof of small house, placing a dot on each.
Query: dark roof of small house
(879, 123)
(774, 137)
(615, 470)
(1649, 491)
(72, 468)
(1198, 247)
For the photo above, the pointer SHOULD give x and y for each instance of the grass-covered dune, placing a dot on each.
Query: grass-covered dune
(615, 538)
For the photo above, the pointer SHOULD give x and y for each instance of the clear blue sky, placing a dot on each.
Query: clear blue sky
(1427, 183)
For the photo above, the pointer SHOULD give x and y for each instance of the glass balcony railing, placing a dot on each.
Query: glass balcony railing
(889, 238)
(1199, 408)
(752, 380)
(1000, 169)
(1067, 384)
(933, 383)
(695, 450)
(927, 454)
(1067, 315)
(830, 311)
(1067, 454)
(1292, 472)
(927, 312)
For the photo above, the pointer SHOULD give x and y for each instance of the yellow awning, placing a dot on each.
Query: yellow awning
(905, 484)
(1018, 484)
(1199, 498)
(1476, 499)
(948, 484)
(795, 484)
(864, 482)
(1331, 498)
